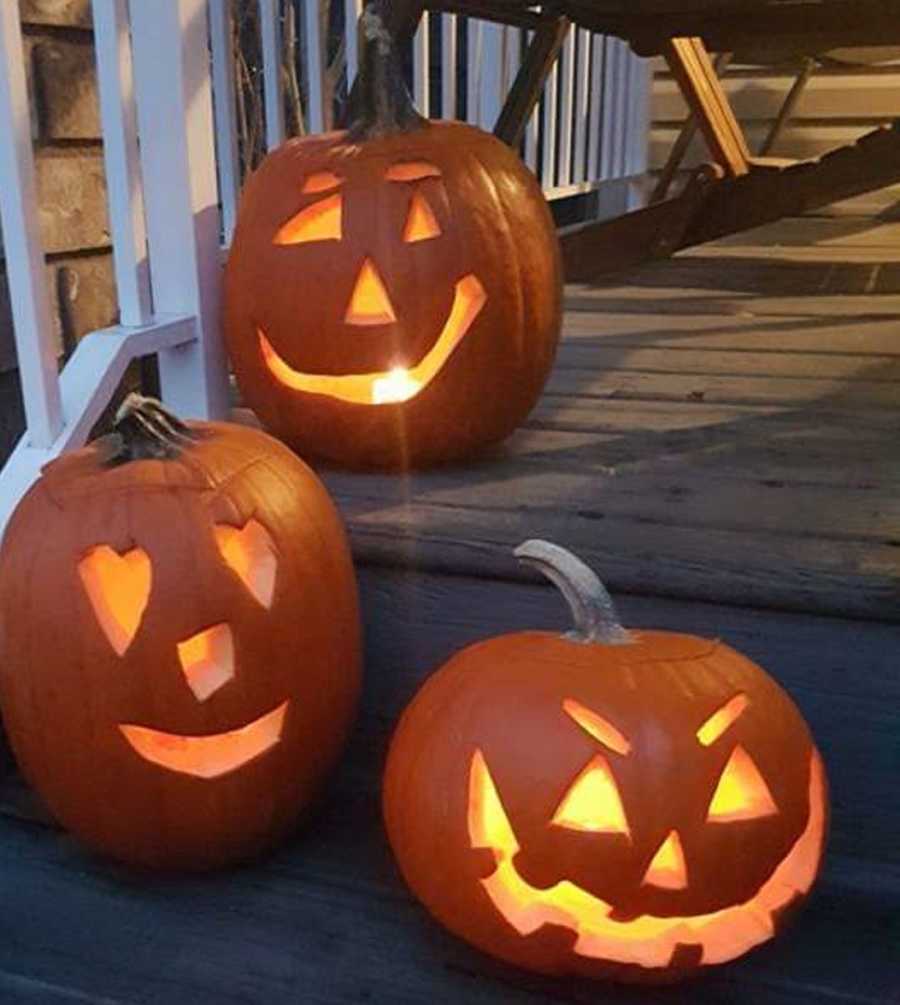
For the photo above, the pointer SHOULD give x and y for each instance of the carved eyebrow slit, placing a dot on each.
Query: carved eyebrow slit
(722, 719)
(321, 181)
(597, 727)
(412, 171)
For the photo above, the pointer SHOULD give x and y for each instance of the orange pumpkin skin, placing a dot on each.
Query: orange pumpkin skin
(563, 897)
(67, 693)
(495, 232)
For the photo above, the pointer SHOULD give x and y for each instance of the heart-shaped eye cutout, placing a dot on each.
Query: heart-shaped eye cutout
(249, 553)
(118, 587)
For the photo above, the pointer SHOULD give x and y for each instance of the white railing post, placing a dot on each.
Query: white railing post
(175, 118)
(221, 29)
(315, 66)
(32, 315)
(352, 12)
(638, 153)
(493, 74)
(449, 30)
(120, 152)
(567, 104)
(270, 38)
(582, 104)
(548, 159)
(422, 66)
(595, 125)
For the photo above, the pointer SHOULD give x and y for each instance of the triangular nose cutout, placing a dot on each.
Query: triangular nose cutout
(370, 303)
(667, 869)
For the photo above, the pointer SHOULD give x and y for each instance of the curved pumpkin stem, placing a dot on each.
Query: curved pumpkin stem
(144, 429)
(592, 607)
(382, 102)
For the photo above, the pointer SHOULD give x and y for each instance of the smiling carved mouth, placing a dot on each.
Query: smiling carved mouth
(208, 756)
(398, 384)
(647, 940)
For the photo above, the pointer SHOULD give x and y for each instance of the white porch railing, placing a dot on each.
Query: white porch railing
(174, 193)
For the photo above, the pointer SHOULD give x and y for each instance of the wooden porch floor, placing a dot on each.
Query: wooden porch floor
(722, 427)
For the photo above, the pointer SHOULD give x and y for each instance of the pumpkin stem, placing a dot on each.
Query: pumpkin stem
(592, 607)
(382, 102)
(144, 429)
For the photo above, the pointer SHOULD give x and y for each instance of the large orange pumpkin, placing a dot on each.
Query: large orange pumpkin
(393, 291)
(636, 805)
(180, 656)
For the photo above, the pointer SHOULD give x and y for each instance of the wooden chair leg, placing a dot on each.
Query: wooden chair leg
(684, 140)
(693, 70)
(787, 109)
(529, 82)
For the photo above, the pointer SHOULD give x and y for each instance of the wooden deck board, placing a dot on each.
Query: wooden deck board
(733, 419)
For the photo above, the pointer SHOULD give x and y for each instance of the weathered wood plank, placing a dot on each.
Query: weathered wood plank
(865, 335)
(615, 415)
(683, 496)
(745, 390)
(749, 464)
(816, 366)
(837, 577)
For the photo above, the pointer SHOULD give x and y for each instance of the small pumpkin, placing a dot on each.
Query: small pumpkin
(628, 804)
(393, 292)
(180, 657)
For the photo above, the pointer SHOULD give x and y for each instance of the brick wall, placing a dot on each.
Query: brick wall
(71, 191)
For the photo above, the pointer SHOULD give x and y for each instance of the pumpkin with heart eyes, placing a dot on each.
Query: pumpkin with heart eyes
(180, 658)
(393, 292)
(636, 805)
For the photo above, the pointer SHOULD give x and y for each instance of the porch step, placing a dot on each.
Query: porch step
(327, 918)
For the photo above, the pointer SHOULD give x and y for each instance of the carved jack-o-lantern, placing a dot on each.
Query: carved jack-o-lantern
(393, 291)
(636, 805)
(180, 643)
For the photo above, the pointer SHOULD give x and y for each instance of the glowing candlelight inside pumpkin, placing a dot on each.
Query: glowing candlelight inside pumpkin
(397, 385)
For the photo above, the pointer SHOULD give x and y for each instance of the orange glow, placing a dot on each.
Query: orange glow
(721, 720)
(208, 756)
(319, 222)
(250, 554)
(207, 660)
(597, 727)
(742, 793)
(322, 181)
(421, 224)
(489, 826)
(647, 941)
(118, 587)
(387, 386)
(412, 171)
(370, 303)
(593, 802)
(667, 869)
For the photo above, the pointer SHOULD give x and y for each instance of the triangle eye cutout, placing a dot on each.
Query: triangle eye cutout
(250, 554)
(421, 224)
(742, 793)
(319, 222)
(593, 802)
(118, 587)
